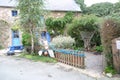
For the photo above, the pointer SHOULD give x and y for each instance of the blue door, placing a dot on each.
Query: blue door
(15, 38)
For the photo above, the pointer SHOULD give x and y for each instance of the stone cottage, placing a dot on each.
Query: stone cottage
(8, 16)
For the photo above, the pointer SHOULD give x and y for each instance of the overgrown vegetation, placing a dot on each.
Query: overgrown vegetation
(82, 5)
(99, 48)
(100, 9)
(110, 69)
(83, 29)
(56, 25)
(15, 26)
(30, 13)
(109, 31)
(1, 47)
(65, 42)
(26, 39)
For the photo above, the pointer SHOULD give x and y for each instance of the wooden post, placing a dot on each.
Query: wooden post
(116, 54)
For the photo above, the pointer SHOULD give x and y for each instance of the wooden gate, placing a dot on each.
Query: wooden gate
(71, 57)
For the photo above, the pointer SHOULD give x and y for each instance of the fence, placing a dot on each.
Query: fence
(71, 57)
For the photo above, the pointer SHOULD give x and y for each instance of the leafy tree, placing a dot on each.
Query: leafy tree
(68, 17)
(82, 5)
(116, 8)
(30, 12)
(86, 27)
(100, 9)
(26, 39)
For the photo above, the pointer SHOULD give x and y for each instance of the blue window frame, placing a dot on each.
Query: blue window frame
(14, 12)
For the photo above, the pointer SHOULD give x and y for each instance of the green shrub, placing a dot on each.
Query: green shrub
(85, 23)
(96, 40)
(110, 69)
(1, 47)
(26, 39)
(68, 17)
(99, 48)
(58, 24)
(63, 41)
(48, 22)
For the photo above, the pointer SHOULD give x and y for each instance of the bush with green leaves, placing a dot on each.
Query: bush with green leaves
(1, 47)
(116, 8)
(100, 9)
(96, 40)
(58, 24)
(86, 23)
(68, 17)
(110, 69)
(63, 41)
(99, 48)
(26, 39)
(55, 25)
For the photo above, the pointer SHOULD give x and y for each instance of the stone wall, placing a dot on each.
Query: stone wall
(58, 14)
(6, 14)
(5, 29)
(5, 37)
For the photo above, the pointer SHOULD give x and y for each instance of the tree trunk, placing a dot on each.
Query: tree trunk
(86, 37)
(87, 44)
(32, 41)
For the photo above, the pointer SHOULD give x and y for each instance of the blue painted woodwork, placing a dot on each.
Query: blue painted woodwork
(46, 35)
(14, 12)
(15, 38)
(16, 43)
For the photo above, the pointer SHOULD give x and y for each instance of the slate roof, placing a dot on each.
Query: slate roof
(52, 5)
(8, 3)
(62, 5)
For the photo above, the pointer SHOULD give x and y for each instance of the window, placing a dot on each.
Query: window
(15, 34)
(14, 12)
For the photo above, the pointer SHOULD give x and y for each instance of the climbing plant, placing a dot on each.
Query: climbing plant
(58, 24)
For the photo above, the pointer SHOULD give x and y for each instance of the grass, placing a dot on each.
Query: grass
(38, 58)
(110, 69)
